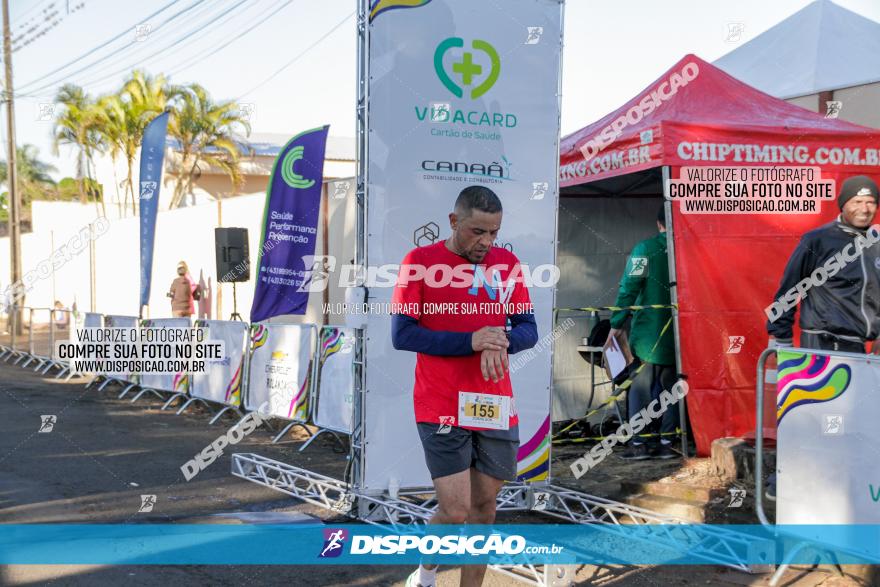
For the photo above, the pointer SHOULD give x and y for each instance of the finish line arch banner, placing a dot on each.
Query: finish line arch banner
(221, 381)
(114, 321)
(335, 390)
(279, 372)
(176, 382)
(461, 93)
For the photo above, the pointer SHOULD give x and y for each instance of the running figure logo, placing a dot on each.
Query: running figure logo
(541, 501)
(735, 344)
(446, 423)
(534, 36)
(832, 424)
(148, 502)
(333, 541)
(737, 496)
(47, 423)
(639, 266)
(833, 108)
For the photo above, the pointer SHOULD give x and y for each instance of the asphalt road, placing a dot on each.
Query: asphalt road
(103, 453)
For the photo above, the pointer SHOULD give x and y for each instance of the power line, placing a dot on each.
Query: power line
(175, 43)
(295, 59)
(105, 43)
(32, 8)
(134, 52)
(50, 21)
(213, 50)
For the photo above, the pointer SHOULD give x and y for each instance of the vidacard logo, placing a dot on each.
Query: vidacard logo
(466, 69)
(334, 541)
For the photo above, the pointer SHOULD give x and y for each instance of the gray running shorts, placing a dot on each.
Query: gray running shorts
(458, 449)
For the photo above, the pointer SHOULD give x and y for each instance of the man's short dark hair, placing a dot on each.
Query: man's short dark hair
(661, 215)
(477, 197)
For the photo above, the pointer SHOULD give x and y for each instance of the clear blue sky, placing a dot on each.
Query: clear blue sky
(612, 50)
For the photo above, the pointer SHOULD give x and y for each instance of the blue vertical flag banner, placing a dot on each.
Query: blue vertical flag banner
(290, 227)
(152, 155)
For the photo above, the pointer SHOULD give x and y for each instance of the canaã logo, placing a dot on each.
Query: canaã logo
(466, 69)
(291, 177)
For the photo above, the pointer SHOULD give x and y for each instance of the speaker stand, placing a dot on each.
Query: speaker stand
(235, 315)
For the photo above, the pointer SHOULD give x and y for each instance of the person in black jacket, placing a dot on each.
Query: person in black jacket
(834, 273)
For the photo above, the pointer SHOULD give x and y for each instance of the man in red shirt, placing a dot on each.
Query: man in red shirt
(462, 305)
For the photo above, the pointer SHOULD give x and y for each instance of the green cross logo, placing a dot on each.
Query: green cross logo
(291, 177)
(466, 69)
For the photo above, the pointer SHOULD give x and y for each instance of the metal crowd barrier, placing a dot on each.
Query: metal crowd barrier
(43, 327)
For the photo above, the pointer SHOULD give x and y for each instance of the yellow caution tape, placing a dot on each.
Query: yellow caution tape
(622, 388)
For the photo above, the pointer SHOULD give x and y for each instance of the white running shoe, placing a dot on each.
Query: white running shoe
(413, 580)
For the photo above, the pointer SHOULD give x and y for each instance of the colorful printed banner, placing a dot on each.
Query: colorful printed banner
(280, 368)
(290, 227)
(335, 394)
(827, 437)
(176, 382)
(221, 381)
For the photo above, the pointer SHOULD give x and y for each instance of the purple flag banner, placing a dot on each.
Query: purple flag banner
(290, 227)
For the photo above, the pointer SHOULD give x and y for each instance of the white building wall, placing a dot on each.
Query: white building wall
(181, 234)
(860, 104)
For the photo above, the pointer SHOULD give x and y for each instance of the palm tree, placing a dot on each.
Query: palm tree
(78, 126)
(122, 118)
(109, 120)
(33, 176)
(205, 132)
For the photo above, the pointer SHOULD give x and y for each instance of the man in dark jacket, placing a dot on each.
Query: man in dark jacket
(835, 275)
(646, 282)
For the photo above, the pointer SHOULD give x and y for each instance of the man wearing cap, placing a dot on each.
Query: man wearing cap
(834, 273)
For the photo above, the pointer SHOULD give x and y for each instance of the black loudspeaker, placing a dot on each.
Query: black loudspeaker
(231, 246)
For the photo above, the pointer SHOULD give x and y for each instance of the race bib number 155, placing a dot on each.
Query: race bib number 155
(481, 410)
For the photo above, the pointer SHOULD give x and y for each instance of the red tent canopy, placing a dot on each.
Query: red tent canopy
(728, 265)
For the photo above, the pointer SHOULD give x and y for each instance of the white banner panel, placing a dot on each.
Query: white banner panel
(461, 93)
(80, 320)
(221, 381)
(335, 389)
(280, 369)
(176, 382)
(828, 407)
(114, 321)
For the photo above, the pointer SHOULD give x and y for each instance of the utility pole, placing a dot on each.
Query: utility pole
(12, 175)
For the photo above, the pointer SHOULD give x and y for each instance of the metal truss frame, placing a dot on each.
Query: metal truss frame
(713, 544)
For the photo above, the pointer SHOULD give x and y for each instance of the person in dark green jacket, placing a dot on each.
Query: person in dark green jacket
(645, 282)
